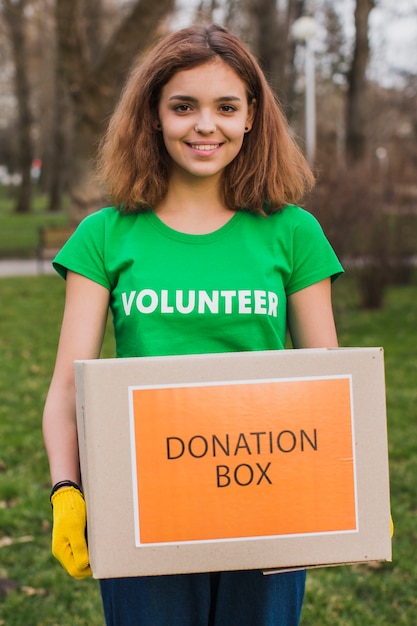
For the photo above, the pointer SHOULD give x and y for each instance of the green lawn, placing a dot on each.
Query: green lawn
(19, 234)
(30, 315)
(382, 595)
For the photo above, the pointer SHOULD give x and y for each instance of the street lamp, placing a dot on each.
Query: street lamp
(305, 30)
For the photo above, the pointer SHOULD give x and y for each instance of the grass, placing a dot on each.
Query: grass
(30, 317)
(380, 595)
(19, 233)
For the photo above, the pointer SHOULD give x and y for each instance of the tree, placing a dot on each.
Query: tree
(93, 76)
(267, 38)
(334, 60)
(357, 83)
(14, 14)
(61, 131)
(265, 25)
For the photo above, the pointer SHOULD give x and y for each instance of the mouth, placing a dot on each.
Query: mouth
(204, 147)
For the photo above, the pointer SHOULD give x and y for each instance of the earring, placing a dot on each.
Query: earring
(246, 128)
(158, 126)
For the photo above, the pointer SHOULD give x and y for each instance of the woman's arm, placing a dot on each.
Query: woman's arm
(310, 317)
(82, 331)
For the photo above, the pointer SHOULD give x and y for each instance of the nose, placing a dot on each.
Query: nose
(205, 124)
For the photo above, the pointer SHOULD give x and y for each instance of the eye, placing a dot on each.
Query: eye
(227, 108)
(182, 108)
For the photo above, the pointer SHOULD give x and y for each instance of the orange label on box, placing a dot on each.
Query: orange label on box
(243, 459)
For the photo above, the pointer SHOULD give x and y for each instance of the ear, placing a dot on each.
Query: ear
(251, 115)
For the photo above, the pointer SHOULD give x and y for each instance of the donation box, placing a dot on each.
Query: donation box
(259, 460)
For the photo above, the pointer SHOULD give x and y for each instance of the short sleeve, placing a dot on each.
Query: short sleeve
(313, 256)
(84, 252)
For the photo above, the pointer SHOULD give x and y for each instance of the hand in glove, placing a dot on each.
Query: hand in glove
(69, 544)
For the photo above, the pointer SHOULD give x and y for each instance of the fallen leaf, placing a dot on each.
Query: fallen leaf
(8, 541)
(7, 504)
(374, 565)
(5, 541)
(31, 591)
(46, 526)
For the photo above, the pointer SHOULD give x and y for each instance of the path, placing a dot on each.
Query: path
(27, 267)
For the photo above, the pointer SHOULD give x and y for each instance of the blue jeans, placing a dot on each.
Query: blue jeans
(245, 598)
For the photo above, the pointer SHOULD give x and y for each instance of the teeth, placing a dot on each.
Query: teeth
(205, 147)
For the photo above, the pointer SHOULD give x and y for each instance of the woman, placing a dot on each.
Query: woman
(204, 178)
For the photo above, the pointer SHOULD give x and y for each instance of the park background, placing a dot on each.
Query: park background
(62, 65)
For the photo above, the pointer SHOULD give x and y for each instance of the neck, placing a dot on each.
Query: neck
(196, 208)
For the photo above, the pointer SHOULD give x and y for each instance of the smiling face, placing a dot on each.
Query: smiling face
(204, 114)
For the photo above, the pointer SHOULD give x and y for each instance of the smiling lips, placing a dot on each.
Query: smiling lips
(204, 147)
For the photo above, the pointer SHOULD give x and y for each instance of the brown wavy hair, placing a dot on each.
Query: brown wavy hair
(269, 171)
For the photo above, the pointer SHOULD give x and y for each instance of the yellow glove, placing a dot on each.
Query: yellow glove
(391, 526)
(69, 544)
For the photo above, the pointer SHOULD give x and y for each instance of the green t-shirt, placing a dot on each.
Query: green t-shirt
(175, 293)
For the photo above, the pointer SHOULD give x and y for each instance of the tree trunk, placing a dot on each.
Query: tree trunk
(94, 82)
(59, 176)
(268, 41)
(272, 43)
(295, 9)
(14, 14)
(92, 15)
(357, 83)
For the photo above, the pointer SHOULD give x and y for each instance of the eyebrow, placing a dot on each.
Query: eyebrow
(184, 98)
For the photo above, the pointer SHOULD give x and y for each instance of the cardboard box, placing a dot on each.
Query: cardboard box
(253, 460)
